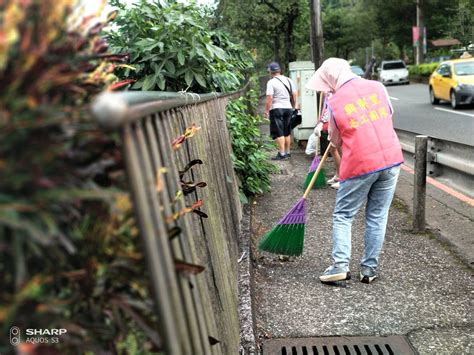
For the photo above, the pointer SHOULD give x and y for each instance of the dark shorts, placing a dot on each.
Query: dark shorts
(323, 141)
(280, 122)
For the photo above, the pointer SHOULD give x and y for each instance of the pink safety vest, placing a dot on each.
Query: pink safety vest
(362, 114)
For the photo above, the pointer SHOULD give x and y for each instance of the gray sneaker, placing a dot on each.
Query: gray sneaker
(367, 274)
(336, 272)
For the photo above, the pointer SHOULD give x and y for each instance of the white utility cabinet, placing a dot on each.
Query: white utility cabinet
(300, 73)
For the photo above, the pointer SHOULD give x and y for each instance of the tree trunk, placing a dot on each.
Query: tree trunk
(384, 47)
(289, 43)
(420, 25)
(276, 47)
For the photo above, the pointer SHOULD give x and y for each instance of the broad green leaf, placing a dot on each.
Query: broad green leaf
(138, 84)
(200, 79)
(180, 19)
(148, 57)
(181, 58)
(161, 81)
(170, 67)
(188, 77)
(180, 72)
(219, 52)
(155, 68)
(154, 45)
(145, 42)
(149, 82)
(201, 53)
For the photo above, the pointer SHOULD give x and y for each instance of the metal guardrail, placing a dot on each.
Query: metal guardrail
(451, 162)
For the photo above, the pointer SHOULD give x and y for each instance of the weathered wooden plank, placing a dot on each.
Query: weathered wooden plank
(211, 131)
(180, 250)
(164, 126)
(217, 239)
(225, 143)
(230, 183)
(183, 156)
(159, 259)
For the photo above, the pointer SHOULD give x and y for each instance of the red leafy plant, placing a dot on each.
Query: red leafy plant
(69, 255)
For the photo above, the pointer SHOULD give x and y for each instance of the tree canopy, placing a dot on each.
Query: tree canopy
(280, 30)
(275, 29)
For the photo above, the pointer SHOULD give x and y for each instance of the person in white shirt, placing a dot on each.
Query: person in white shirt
(279, 106)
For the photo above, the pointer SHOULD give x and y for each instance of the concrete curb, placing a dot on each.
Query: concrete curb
(247, 329)
(447, 219)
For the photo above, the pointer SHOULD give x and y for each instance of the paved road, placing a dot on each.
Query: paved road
(414, 113)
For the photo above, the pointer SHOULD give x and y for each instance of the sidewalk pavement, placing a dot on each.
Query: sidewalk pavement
(424, 290)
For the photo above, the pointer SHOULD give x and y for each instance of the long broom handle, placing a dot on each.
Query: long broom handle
(315, 176)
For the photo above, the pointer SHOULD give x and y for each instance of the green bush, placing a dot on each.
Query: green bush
(172, 48)
(423, 69)
(250, 148)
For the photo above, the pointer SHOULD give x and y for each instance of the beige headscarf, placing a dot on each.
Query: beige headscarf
(331, 75)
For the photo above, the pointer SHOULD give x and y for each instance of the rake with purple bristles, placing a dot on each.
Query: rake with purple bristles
(320, 180)
(287, 238)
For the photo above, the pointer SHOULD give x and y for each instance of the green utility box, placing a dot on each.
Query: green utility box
(300, 73)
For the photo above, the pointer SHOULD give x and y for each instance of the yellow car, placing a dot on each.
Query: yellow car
(453, 81)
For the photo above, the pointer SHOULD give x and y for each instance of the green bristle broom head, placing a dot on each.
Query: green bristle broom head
(284, 239)
(320, 180)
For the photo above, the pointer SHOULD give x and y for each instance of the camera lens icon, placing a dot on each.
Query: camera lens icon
(15, 336)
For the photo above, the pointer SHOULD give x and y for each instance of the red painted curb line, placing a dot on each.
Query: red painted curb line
(448, 190)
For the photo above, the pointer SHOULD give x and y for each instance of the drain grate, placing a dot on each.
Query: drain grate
(389, 345)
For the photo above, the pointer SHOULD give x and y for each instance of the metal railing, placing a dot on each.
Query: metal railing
(451, 162)
(196, 311)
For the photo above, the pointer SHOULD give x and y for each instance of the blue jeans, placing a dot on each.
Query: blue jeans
(377, 189)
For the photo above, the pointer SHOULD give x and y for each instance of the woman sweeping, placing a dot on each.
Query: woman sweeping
(360, 123)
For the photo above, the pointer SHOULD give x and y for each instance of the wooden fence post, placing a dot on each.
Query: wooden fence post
(419, 190)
